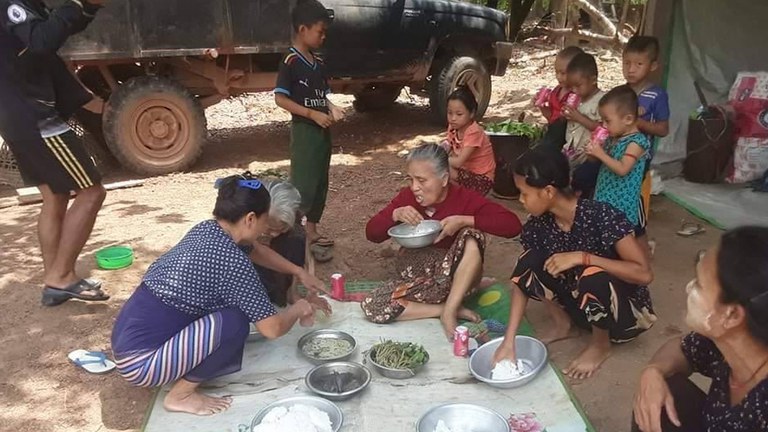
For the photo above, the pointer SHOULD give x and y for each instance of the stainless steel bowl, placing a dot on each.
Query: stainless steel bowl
(330, 408)
(326, 371)
(393, 373)
(414, 237)
(464, 417)
(327, 334)
(530, 350)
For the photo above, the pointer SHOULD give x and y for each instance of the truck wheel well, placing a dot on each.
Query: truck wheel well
(456, 47)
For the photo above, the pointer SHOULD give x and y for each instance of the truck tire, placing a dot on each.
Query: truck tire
(154, 126)
(376, 97)
(455, 72)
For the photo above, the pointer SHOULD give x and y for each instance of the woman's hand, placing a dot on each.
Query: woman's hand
(505, 351)
(306, 313)
(562, 262)
(408, 215)
(319, 303)
(451, 226)
(312, 283)
(653, 395)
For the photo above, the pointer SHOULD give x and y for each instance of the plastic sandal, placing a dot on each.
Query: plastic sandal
(690, 229)
(91, 361)
(55, 296)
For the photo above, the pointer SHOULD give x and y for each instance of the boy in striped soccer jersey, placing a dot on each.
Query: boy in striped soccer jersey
(302, 89)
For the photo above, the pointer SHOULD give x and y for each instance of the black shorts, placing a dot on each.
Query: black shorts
(61, 162)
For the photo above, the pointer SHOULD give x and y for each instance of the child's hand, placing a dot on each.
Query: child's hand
(569, 112)
(337, 114)
(323, 120)
(595, 149)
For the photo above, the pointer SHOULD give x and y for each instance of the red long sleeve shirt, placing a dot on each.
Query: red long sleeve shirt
(490, 217)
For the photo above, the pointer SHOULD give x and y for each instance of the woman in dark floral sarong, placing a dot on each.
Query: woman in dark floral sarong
(582, 260)
(433, 281)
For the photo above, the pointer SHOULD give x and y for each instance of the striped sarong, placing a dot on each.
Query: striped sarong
(176, 357)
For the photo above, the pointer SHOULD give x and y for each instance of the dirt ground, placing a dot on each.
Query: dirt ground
(40, 390)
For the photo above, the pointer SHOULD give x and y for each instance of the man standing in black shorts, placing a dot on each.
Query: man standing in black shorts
(37, 94)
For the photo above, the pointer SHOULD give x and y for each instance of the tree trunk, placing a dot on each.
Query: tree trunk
(518, 12)
(492, 4)
(559, 10)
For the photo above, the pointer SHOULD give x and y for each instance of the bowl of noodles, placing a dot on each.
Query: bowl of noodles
(326, 345)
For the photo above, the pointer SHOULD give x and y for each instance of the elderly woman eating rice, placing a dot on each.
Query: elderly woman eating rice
(434, 281)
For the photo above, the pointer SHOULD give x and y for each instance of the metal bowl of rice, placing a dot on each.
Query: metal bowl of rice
(327, 345)
(416, 236)
(335, 416)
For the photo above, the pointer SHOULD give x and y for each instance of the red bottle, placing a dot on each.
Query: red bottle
(573, 100)
(461, 341)
(599, 135)
(542, 96)
(337, 286)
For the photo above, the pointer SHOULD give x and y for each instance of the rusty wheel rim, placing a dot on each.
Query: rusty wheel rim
(474, 81)
(159, 131)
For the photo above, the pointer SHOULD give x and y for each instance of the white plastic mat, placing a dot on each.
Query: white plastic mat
(725, 206)
(274, 370)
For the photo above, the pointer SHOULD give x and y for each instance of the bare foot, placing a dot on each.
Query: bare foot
(589, 361)
(486, 282)
(196, 403)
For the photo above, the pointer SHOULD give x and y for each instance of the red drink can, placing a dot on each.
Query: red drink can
(337, 286)
(600, 134)
(461, 341)
(542, 96)
(573, 100)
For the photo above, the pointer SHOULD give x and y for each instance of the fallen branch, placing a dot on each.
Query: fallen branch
(537, 56)
(31, 195)
(612, 35)
(587, 35)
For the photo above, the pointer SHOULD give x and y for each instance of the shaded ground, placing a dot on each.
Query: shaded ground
(39, 390)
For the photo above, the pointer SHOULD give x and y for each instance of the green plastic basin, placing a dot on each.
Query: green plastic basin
(114, 257)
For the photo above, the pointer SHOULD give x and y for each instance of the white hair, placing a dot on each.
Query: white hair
(285, 200)
(434, 154)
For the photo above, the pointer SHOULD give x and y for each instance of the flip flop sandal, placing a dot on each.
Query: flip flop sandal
(322, 254)
(323, 241)
(55, 296)
(95, 283)
(91, 361)
(690, 229)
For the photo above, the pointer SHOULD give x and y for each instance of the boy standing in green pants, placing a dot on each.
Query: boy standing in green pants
(302, 89)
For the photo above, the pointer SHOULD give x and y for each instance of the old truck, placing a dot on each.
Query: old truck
(157, 64)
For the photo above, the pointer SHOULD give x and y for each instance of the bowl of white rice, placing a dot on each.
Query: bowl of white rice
(299, 414)
(416, 236)
(531, 358)
(461, 417)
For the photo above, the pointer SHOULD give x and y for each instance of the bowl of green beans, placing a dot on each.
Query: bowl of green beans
(397, 360)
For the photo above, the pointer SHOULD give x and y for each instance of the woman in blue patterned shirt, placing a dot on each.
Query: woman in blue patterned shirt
(188, 320)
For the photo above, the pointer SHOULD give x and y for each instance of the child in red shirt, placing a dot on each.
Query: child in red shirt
(471, 156)
(552, 109)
